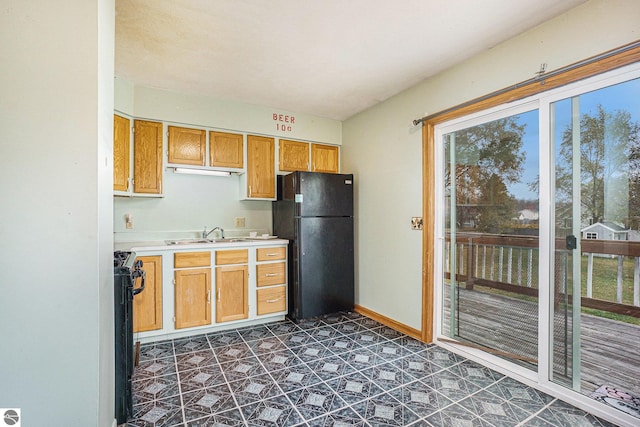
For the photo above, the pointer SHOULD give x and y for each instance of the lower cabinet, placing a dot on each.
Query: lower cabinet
(192, 289)
(232, 285)
(147, 305)
(271, 280)
(272, 300)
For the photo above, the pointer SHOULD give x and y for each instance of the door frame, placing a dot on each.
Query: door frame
(608, 61)
(590, 68)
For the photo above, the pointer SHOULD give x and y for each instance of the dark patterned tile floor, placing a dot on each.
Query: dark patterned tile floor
(343, 369)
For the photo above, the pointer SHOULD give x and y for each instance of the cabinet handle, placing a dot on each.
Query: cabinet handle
(208, 297)
(218, 294)
(270, 301)
(272, 254)
(249, 191)
(271, 274)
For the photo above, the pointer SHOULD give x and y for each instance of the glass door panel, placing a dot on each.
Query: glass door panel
(596, 291)
(490, 283)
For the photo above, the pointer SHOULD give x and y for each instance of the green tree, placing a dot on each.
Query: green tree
(609, 159)
(488, 158)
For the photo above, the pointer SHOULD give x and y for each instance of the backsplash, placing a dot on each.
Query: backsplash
(190, 203)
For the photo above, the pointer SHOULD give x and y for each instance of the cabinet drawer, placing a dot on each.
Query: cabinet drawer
(271, 254)
(272, 300)
(233, 256)
(270, 274)
(191, 259)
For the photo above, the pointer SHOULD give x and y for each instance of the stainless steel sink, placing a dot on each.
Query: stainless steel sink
(187, 241)
(200, 241)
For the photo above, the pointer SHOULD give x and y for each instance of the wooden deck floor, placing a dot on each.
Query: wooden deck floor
(610, 350)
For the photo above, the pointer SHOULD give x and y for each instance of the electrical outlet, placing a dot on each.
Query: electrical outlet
(239, 222)
(416, 223)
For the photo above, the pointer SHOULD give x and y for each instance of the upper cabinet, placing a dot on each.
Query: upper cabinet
(139, 160)
(147, 157)
(294, 156)
(187, 146)
(121, 153)
(260, 180)
(146, 162)
(325, 158)
(225, 150)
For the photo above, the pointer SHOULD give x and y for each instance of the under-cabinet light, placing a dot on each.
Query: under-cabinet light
(201, 172)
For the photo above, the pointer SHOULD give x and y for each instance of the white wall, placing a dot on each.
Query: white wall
(191, 202)
(104, 167)
(235, 116)
(56, 358)
(384, 151)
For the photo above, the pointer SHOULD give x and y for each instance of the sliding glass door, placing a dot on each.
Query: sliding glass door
(538, 238)
(490, 286)
(596, 291)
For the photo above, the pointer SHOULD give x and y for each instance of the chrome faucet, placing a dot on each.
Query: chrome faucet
(206, 233)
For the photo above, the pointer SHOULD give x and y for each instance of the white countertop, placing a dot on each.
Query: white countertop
(161, 245)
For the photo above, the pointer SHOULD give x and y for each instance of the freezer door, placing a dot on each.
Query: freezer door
(320, 194)
(324, 280)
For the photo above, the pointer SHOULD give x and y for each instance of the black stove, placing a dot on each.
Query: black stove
(120, 258)
(126, 272)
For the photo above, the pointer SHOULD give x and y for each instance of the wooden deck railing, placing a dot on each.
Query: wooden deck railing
(509, 263)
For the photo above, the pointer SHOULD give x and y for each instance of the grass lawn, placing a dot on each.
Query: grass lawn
(605, 282)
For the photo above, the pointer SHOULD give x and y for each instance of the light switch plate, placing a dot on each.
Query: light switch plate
(416, 223)
(128, 221)
(239, 222)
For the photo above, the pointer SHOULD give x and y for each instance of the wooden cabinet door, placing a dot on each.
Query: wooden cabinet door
(225, 150)
(232, 293)
(187, 146)
(121, 153)
(147, 157)
(261, 174)
(232, 256)
(191, 259)
(271, 254)
(147, 305)
(193, 297)
(272, 273)
(325, 158)
(294, 155)
(271, 300)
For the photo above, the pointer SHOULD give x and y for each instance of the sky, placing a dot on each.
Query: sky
(623, 96)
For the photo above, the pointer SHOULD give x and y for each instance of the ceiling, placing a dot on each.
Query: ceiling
(329, 58)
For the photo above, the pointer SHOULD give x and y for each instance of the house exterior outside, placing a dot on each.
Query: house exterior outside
(606, 230)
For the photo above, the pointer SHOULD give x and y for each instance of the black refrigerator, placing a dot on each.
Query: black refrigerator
(314, 211)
